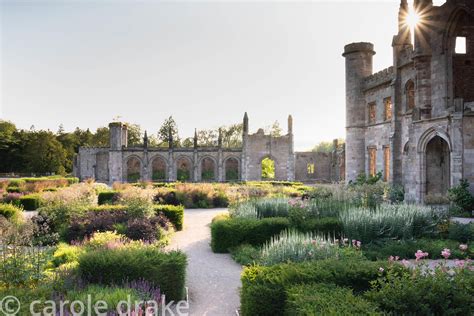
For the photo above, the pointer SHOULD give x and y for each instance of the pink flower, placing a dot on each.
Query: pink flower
(392, 258)
(459, 263)
(313, 242)
(463, 247)
(446, 253)
(405, 263)
(420, 255)
(381, 270)
(356, 243)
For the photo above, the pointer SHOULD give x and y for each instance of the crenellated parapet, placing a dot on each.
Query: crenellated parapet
(379, 78)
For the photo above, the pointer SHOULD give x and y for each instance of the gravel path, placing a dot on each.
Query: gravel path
(213, 280)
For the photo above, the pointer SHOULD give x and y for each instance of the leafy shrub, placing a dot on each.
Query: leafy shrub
(326, 299)
(389, 221)
(245, 254)
(107, 197)
(419, 293)
(174, 213)
(12, 198)
(264, 289)
(461, 196)
(327, 226)
(406, 249)
(139, 202)
(30, 202)
(229, 233)
(461, 232)
(44, 232)
(65, 253)
(292, 246)
(101, 240)
(11, 212)
(113, 266)
(93, 221)
(146, 229)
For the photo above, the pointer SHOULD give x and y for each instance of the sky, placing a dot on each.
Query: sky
(85, 63)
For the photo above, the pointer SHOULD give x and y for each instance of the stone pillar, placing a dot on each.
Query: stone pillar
(171, 166)
(291, 155)
(244, 158)
(196, 167)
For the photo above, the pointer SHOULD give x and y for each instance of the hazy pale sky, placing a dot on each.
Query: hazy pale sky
(82, 63)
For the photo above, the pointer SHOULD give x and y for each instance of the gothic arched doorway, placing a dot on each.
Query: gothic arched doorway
(437, 166)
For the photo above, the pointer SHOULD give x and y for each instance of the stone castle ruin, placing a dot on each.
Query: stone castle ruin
(122, 163)
(414, 121)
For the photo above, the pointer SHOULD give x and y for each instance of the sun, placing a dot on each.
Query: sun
(412, 19)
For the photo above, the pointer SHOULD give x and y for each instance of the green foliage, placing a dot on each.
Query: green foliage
(246, 254)
(11, 212)
(326, 226)
(268, 169)
(175, 214)
(326, 299)
(264, 289)
(461, 232)
(107, 197)
(292, 246)
(229, 233)
(114, 266)
(65, 253)
(327, 147)
(407, 249)
(461, 196)
(419, 293)
(183, 175)
(169, 125)
(389, 221)
(30, 202)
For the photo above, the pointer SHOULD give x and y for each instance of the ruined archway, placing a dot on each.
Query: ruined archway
(232, 169)
(183, 169)
(437, 162)
(134, 167)
(208, 169)
(268, 168)
(158, 169)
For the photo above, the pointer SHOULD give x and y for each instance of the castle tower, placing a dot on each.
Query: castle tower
(359, 65)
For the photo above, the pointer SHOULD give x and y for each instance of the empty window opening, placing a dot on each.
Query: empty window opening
(386, 162)
(388, 109)
(461, 45)
(372, 161)
(372, 113)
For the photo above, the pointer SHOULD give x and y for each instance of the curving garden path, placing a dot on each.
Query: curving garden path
(213, 280)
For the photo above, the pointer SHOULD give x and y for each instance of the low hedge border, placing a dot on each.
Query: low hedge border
(30, 202)
(326, 299)
(114, 266)
(227, 233)
(264, 289)
(175, 214)
(11, 212)
(106, 197)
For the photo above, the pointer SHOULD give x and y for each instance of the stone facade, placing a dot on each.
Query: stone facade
(122, 163)
(414, 121)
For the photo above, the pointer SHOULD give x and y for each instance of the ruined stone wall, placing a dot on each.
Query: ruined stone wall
(323, 167)
(260, 146)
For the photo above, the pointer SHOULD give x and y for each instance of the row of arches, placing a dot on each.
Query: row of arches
(184, 169)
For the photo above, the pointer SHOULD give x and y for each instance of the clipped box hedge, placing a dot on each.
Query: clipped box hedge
(115, 266)
(106, 197)
(175, 213)
(264, 289)
(326, 299)
(30, 202)
(11, 212)
(230, 232)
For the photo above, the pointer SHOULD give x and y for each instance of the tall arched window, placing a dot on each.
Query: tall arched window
(410, 95)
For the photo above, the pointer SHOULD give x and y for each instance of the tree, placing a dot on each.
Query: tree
(101, 137)
(275, 130)
(45, 154)
(232, 135)
(268, 169)
(134, 137)
(327, 147)
(163, 133)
